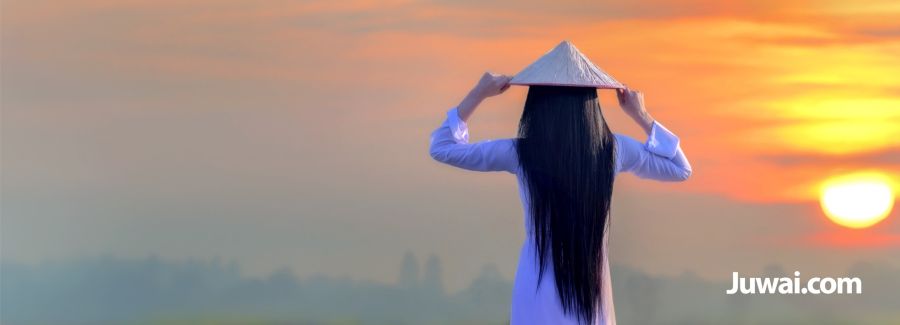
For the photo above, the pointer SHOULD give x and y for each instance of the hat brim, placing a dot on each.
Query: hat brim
(566, 85)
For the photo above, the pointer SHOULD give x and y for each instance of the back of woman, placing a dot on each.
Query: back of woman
(565, 158)
(566, 153)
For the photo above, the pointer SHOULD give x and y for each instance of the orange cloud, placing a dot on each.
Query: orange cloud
(741, 83)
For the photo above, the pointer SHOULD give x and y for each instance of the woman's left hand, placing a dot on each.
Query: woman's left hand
(491, 84)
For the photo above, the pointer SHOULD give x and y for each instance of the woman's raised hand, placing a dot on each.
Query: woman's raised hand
(492, 84)
(632, 102)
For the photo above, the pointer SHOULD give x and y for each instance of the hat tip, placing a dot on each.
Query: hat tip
(567, 45)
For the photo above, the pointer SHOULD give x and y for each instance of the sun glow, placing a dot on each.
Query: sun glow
(857, 200)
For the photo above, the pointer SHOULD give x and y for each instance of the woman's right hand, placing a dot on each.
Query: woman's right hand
(632, 102)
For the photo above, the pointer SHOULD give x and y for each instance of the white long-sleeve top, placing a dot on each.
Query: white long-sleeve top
(659, 158)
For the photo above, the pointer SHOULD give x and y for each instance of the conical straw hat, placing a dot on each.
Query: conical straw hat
(564, 65)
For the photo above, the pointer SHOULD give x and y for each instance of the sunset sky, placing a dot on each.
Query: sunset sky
(292, 133)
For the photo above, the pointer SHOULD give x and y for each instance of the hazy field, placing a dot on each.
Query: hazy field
(109, 290)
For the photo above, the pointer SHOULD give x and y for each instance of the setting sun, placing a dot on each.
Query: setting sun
(857, 200)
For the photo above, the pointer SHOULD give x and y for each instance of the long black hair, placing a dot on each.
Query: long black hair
(566, 152)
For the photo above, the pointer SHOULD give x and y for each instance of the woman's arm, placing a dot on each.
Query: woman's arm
(450, 141)
(661, 157)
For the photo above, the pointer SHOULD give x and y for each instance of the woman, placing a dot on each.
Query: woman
(565, 159)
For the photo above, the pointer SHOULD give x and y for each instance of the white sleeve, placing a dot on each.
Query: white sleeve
(660, 158)
(450, 145)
